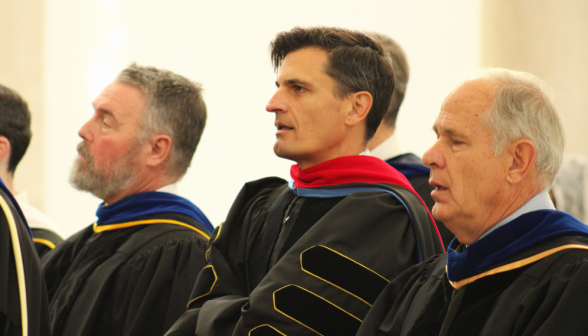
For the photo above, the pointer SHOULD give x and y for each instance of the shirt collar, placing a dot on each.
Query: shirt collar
(22, 197)
(541, 201)
(389, 148)
(171, 188)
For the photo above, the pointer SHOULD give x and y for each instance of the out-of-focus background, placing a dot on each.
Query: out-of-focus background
(59, 54)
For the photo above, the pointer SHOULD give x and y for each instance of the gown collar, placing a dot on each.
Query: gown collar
(507, 241)
(149, 204)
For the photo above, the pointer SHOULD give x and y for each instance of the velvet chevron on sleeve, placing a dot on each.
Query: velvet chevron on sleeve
(302, 261)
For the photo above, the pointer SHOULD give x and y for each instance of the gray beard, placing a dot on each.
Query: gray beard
(118, 177)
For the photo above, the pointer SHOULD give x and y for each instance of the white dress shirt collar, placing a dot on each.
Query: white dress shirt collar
(171, 188)
(388, 149)
(541, 201)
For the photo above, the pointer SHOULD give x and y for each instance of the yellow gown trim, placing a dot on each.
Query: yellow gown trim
(110, 227)
(514, 265)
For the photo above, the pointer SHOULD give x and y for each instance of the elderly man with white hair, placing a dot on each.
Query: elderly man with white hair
(517, 266)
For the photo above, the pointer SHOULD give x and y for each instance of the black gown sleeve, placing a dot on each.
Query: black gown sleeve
(36, 295)
(391, 309)
(223, 284)
(45, 240)
(57, 262)
(149, 293)
(325, 283)
(138, 291)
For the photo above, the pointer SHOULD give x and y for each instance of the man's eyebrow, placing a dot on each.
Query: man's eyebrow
(448, 131)
(295, 81)
(103, 111)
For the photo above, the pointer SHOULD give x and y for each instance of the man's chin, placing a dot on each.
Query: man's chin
(280, 151)
(439, 212)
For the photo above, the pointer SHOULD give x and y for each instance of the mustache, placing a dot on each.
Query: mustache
(84, 152)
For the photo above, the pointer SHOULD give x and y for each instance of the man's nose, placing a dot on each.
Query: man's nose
(85, 131)
(433, 158)
(276, 103)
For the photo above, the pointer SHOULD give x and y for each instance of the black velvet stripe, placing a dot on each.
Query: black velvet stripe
(343, 272)
(264, 331)
(204, 283)
(314, 312)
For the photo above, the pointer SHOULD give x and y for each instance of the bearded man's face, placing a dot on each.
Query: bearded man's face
(110, 156)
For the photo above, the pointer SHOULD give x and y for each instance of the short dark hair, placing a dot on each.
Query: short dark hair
(15, 125)
(175, 107)
(401, 74)
(356, 62)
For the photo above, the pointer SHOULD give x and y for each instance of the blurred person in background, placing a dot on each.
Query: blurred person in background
(15, 137)
(132, 271)
(385, 144)
(571, 185)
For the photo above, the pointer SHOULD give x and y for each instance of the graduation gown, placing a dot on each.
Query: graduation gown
(45, 233)
(131, 272)
(45, 240)
(306, 258)
(525, 278)
(11, 317)
(411, 166)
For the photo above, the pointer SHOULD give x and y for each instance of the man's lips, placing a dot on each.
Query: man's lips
(282, 127)
(438, 186)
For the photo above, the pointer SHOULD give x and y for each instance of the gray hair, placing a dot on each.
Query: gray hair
(524, 107)
(175, 107)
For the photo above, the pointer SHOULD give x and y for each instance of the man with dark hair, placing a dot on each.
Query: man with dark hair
(517, 266)
(384, 144)
(304, 257)
(131, 272)
(23, 297)
(15, 137)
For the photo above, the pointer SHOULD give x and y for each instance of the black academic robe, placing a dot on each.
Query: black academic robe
(126, 281)
(288, 265)
(417, 174)
(540, 290)
(36, 294)
(45, 240)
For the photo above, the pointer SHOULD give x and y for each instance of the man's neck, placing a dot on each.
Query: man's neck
(508, 206)
(144, 185)
(7, 178)
(382, 133)
(304, 164)
(541, 201)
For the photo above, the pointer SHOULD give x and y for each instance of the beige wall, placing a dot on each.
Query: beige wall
(21, 68)
(88, 42)
(548, 38)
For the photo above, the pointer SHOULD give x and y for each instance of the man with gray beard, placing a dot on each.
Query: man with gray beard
(132, 271)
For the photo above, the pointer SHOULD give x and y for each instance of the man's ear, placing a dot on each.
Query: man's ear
(522, 159)
(4, 148)
(160, 147)
(361, 104)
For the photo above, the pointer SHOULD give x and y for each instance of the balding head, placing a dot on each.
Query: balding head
(477, 185)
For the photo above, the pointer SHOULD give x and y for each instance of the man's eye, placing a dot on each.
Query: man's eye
(456, 142)
(299, 88)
